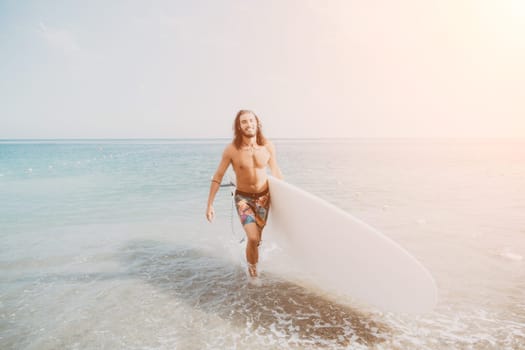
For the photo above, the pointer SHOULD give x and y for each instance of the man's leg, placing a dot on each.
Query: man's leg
(253, 234)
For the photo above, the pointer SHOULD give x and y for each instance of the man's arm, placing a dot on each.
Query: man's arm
(216, 182)
(272, 163)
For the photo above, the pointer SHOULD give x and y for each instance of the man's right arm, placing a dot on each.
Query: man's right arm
(216, 182)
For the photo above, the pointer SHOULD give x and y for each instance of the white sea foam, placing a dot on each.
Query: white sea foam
(510, 255)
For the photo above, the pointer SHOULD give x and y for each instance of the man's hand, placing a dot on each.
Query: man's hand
(210, 213)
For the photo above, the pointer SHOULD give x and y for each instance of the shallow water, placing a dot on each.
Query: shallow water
(105, 245)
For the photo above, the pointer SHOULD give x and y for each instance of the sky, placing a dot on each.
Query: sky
(318, 68)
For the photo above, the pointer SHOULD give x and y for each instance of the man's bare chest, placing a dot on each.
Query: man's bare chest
(248, 157)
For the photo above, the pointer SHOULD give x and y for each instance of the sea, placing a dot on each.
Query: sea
(104, 244)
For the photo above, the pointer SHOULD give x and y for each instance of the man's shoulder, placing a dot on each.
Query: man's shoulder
(269, 144)
(230, 149)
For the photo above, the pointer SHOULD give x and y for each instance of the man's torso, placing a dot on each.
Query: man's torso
(249, 165)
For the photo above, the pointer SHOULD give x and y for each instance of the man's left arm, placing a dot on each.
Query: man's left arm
(272, 163)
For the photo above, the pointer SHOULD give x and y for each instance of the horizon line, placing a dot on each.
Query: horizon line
(272, 138)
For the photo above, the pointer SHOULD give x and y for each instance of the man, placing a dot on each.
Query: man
(249, 154)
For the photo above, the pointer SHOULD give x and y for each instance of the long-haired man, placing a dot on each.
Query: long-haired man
(250, 153)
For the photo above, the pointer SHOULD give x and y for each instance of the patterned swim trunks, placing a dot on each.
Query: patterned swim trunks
(253, 207)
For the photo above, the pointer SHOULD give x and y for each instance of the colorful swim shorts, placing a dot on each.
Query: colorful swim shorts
(253, 207)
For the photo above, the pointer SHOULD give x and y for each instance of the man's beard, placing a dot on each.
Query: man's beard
(249, 133)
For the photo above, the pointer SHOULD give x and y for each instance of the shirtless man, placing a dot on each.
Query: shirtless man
(249, 154)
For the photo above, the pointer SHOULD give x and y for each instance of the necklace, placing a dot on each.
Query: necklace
(249, 147)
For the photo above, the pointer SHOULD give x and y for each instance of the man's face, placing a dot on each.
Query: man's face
(248, 124)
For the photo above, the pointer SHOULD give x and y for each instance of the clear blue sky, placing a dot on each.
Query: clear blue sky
(379, 68)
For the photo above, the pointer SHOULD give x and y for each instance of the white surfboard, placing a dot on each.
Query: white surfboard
(342, 253)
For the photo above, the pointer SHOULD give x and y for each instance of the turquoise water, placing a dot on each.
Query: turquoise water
(105, 245)
(49, 184)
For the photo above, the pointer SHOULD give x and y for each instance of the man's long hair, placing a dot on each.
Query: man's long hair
(237, 132)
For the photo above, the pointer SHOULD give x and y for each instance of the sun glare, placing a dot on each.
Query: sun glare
(506, 15)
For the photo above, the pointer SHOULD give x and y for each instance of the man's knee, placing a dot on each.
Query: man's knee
(253, 241)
